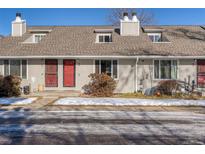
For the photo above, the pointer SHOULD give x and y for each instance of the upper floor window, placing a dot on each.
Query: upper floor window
(155, 37)
(104, 38)
(38, 37)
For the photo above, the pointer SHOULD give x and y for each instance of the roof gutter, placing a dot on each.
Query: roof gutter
(104, 57)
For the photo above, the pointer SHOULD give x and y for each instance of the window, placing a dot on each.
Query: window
(165, 69)
(38, 37)
(104, 38)
(6, 67)
(15, 67)
(155, 37)
(24, 69)
(107, 66)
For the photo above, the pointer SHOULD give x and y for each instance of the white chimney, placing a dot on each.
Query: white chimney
(134, 17)
(18, 26)
(129, 27)
(125, 16)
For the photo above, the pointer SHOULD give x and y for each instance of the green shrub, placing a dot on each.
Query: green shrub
(100, 85)
(10, 86)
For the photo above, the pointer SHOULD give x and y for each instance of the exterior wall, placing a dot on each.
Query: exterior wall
(1, 67)
(145, 74)
(129, 28)
(29, 40)
(36, 74)
(83, 69)
(126, 81)
(18, 28)
(187, 71)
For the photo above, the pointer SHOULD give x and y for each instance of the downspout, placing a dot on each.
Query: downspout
(136, 72)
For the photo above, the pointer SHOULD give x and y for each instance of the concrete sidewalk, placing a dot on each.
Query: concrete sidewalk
(46, 103)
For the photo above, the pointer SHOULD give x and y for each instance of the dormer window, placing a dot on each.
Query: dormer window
(104, 38)
(155, 37)
(38, 37)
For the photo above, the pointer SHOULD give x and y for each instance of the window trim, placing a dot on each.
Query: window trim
(20, 67)
(155, 34)
(34, 41)
(111, 67)
(103, 34)
(153, 69)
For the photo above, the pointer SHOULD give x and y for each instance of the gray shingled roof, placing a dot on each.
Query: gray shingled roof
(80, 40)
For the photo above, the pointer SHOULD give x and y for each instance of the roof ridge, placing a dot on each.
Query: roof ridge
(71, 25)
(173, 25)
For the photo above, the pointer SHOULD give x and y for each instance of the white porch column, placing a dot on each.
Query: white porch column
(136, 72)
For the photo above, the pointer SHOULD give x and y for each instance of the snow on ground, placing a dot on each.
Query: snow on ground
(128, 101)
(16, 101)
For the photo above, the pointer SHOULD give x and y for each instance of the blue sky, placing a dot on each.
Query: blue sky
(94, 17)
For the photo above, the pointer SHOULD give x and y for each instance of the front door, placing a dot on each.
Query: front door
(68, 73)
(201, 73)
(51, 73)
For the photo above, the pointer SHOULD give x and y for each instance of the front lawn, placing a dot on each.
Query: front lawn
(128, 102)
(142, 96)
(17, 101)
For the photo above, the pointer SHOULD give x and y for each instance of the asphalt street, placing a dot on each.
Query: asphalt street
(102, 127)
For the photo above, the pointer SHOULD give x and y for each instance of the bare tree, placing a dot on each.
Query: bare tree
(145, 17)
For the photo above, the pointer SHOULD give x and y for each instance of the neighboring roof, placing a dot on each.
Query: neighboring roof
(80, 40)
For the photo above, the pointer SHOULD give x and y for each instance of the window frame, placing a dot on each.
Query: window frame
(155, 34)
(103, 34)
(94, 67)
(20, 67)
(41, 34)
(177, 68)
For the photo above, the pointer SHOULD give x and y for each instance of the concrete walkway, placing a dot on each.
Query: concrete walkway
(45, 98)
(56, 93)
(42, 102)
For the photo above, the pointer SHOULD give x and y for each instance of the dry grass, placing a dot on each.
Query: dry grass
(123, 108)
(142, 96)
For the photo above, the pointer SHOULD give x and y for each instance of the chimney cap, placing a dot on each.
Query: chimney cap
(125, 14)
(18, 14)
(134, 13)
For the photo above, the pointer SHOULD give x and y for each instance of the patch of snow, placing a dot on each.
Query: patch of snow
(128, 101)
(16, 101)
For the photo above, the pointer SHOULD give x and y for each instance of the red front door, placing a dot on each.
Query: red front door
(69, 73)
(51, 73)
(201, 73)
